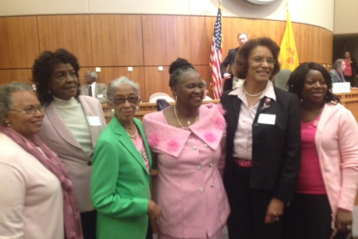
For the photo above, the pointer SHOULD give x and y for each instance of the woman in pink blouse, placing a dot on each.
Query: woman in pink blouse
(351, 71)
(187, 141)
(328, 178)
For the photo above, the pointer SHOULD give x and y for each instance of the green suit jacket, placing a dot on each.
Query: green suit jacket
(120, 184)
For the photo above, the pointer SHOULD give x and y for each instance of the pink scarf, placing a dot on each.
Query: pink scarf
(50, 160)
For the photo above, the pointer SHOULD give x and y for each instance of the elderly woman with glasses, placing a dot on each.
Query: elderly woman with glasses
(263, 144)
(71, 124)
(36, 196)
(120, 186)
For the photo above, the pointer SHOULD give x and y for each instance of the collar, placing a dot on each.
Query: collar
(210, 128)
(269, 92)
(60, 103)
(93, 84)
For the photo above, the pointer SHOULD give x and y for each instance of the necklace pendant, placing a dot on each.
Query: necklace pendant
(189, 122)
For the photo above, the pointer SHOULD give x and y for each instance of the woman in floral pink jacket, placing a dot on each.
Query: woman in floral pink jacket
(187, 139)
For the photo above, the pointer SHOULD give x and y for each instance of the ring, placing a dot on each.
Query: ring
(349, 227)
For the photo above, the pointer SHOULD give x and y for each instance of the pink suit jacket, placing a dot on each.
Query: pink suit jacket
(190, 188)
(60, 139)
(337, 147)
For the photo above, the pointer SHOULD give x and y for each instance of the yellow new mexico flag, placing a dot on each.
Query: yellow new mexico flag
(288, 55)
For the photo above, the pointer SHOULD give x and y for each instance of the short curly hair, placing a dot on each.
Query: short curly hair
(43, 68)
(241, 64)
(176, 70)
(297, 80)
(6, 100)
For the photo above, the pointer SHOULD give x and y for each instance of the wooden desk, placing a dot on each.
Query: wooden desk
(350, 101)
(143, 109)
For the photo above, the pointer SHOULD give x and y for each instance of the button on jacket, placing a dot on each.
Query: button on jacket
(190, 189)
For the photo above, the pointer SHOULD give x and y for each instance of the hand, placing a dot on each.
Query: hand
(154, 211)
(344, 220)
(227, 76)
(274, 210)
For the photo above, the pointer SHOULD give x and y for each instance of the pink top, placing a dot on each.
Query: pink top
(310, 180)
(190, 190)
(138, 142)
(243, 135)
(348, 70)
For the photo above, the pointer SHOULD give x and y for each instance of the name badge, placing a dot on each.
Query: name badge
(93, 121)
(341, 87)
(267, 119)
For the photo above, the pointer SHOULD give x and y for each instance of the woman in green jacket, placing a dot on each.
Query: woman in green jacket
(120, 184)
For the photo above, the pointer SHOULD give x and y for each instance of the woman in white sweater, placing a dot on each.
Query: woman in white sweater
(36, 196)
(71, 125)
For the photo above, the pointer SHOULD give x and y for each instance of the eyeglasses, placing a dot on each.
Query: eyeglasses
(260, 60)
(31, 110)
(131, 99)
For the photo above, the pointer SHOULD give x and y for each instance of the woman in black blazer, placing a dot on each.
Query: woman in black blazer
(263, 144)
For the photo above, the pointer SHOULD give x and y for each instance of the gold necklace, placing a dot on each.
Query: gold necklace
(188, 122)
(135, 132)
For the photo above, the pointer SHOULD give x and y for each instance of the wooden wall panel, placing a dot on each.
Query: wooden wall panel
(114, 42)
(19, 44)
(71, 32)
(156, 81)
(19, 75)
(201, 35)
(165, 39)
(117, 40)
(312, 43)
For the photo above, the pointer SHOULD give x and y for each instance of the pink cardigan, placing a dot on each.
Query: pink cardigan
(337, 147)
(190, 189)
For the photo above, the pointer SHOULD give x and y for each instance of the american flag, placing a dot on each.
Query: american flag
(216, 55)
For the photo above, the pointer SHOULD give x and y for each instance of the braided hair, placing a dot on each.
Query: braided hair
(177, 69)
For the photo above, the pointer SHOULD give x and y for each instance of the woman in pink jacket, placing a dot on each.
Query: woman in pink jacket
(187, 140)
(325, 192)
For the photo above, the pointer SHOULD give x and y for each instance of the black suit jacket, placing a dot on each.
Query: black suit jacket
(276, 149)
(229, 60)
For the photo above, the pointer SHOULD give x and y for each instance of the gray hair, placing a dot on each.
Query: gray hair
(6, 100)
(94, 75)
(337, 64)
(243, 33)
(123, 80)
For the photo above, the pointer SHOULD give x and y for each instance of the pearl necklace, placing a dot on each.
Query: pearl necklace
(135, 132)
(188, 122)
(253, 95)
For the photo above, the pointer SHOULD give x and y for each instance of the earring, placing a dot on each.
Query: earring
(7, 123)
(137, 107)
(176, 98)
